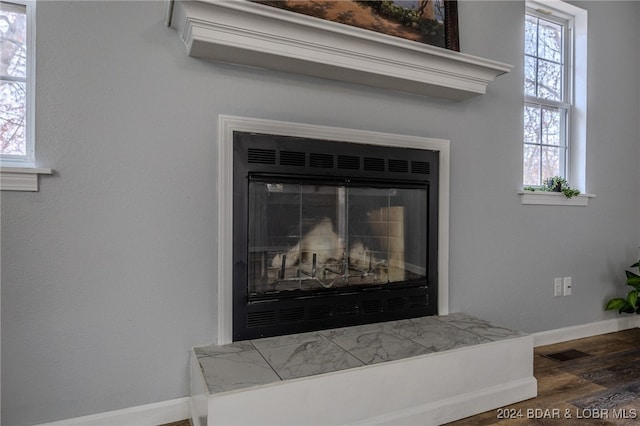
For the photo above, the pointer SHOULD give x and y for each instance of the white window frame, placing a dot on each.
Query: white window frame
(576, 83)
(19, 173)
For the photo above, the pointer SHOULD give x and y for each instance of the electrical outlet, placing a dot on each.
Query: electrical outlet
(557, 287)
(567, 286)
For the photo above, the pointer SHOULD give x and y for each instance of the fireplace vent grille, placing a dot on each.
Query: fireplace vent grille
(319, 312)
(328, 161)
(372, 164)
(289, 315)
(298, 314)
(261, 156)
(324, 161)
(347, 310)
(420, 301)
(261, 319)
(348, 162)
(395, 304)
(398, 166)
(420, 167)
(293, 158)
(372, 306)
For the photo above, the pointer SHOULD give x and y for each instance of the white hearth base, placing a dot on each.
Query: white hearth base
(429, 389)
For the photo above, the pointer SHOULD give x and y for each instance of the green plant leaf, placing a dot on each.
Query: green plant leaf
(633, 279)
(632, 298)
(570, 192)
(627, 309)
(615, 304)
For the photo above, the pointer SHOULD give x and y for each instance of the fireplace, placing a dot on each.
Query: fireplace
(329, 233)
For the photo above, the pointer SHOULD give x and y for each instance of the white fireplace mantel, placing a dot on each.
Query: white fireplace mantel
(246, 33)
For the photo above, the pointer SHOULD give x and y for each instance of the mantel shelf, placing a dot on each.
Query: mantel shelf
(246, 33)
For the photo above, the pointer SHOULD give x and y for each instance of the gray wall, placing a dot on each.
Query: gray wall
(107, 271)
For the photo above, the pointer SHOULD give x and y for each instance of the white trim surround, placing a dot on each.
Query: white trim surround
(21, 178)
(553, 198)
(246, 33)
(228, 124)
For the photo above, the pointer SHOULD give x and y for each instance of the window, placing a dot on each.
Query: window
(17, 97)
(16, 83)
(548, 96)
(555, 99)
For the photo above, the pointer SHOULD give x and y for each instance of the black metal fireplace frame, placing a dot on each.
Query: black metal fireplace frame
(319, 161)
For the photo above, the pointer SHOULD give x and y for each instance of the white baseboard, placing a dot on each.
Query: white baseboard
(142, 415)
(565, 334)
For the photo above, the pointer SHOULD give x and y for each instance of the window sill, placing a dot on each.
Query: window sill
(553, 199)
(21, 178)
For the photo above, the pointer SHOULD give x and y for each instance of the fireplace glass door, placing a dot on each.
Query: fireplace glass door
(331, 234)
(309, 237)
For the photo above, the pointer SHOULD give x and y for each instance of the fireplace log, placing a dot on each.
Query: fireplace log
(387, 224)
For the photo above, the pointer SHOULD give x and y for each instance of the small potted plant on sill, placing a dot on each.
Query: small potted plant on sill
(555, 184)
(630, 304)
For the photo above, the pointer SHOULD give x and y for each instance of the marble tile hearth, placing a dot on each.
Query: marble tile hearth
(420, 371)
(257, 362)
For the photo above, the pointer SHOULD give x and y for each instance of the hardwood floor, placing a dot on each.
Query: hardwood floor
(180, 423)
(600, 388)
